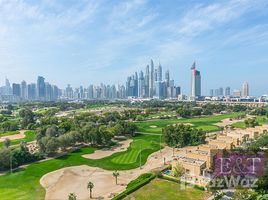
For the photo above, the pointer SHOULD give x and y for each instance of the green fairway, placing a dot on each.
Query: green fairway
(205, 123)
(260, 119)
(165, 190)
(29, 136)
(9, 133)
(24, 184)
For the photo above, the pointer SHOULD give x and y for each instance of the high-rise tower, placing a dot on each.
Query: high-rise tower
(245, 89)
(151, 86)
(195, 82)
(40, 88)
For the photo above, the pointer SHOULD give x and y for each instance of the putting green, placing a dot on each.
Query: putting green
(205, 123)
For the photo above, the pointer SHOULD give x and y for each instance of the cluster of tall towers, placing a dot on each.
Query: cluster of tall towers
(40, 91)
(151, 84)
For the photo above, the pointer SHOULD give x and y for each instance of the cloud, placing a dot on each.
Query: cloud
(201, 17)
(130, 16)
(257, 35)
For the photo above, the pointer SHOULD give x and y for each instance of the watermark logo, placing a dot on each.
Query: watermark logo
(233, 169)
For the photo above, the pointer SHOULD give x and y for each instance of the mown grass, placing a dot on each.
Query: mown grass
(9, 133)
(165, 190)
(24, 184)
(261, 119)
(29, 136)
(205, 123)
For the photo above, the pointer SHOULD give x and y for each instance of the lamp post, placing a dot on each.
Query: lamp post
(160, 143)
(140, 156)
(11, 162)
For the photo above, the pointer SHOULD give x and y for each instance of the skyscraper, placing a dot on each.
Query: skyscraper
(41, 88)
(195, 82)
(151, 86)
(31, 91)
(227, 92)
(141, 85)
(23, 90)
(167, 78)
(245, 89)
(16, 90)
(147, 81)
(7, 88)
(212, 93)
(159, 73)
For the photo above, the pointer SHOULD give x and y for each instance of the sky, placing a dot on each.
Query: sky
(84, 42)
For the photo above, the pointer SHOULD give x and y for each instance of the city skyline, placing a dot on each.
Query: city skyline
(84, 42)
(143, 85)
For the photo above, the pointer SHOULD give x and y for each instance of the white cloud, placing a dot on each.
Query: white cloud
(202, 18)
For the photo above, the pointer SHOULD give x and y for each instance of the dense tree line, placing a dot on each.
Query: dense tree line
(260, 112)
(16, 157)
(60, 133)
(251, 122)
(181, 135)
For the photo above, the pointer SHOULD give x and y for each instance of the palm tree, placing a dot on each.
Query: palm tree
(90, 186)
(72, 196)
(116, 174)
(7, 143)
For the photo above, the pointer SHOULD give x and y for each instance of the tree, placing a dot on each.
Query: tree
(90, 187)
(27, 117)
(72, 196)
(5, 158)
(178, 170)
(252, 122)
(184, 135)
(52, 131)
(7, 143)
(116, 174)
(245, 194)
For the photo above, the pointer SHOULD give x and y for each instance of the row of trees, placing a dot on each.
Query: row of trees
(11, 158)
(69, 132)
(181, 135)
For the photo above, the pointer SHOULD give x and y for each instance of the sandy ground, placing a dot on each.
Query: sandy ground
(20, 135)
(122, 146)
(60, 183)
(226, 122)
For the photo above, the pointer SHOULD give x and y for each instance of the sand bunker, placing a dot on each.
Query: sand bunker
(153, 126)
(20, 135)
(226, 122)
(122, 146)
(60, 183)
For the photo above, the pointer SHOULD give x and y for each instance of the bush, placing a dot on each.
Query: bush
(135, 185)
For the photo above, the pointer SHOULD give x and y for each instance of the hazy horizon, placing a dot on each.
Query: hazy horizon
(89, 42)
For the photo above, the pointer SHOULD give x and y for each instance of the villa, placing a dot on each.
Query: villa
(198, 161)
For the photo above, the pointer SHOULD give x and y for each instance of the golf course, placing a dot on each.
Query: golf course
(205, 123)
(29, 136)
(24, 183)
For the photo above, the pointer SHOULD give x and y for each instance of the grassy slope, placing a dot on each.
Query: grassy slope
(166, 190)
(9, 133)
(205, 123)
(260, 119)
(29, 136)
(25, 183)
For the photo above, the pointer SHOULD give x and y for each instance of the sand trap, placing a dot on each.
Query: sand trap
(226, 122)
(153, 126)
(60, 183)
(20, 135)
(122, 146)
